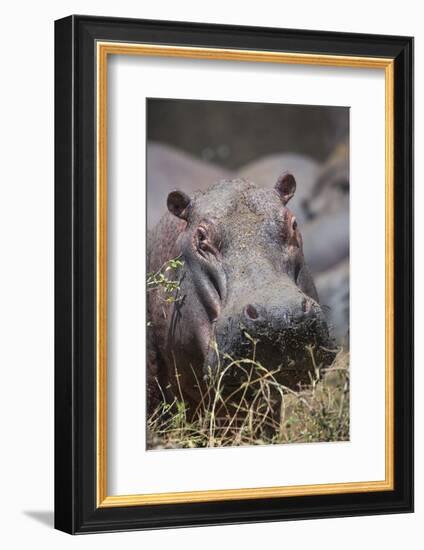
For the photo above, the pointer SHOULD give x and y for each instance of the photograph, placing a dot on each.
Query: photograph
(247, 209)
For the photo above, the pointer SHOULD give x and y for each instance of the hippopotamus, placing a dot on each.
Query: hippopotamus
(242, 278)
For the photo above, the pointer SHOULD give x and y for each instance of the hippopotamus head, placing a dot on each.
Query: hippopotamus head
(245, 279)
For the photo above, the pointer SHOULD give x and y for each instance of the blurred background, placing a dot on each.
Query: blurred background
(191, 144)
(232, 134)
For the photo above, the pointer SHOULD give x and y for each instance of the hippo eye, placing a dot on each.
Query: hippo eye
(205, 241)
(201, 234)
(202, 238)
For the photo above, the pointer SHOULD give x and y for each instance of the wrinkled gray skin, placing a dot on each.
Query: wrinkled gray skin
(243, 271)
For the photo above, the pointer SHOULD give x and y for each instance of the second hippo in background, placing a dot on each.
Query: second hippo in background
(330, 192)
(333, 290)
(326, 241)
(327, 213)
(168, 168)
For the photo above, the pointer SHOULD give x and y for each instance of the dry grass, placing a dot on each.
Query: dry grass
(259, 411)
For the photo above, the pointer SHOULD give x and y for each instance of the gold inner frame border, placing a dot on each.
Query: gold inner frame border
(103, 50)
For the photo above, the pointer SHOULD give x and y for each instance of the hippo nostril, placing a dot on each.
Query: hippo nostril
(251, 312)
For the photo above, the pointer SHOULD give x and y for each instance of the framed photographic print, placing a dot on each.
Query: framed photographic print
(234, 269)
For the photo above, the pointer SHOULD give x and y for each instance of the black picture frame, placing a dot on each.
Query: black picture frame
(76, 509)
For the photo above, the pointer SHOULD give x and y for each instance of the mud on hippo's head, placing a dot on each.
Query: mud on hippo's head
(247, 279)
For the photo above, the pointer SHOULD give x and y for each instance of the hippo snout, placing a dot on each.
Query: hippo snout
(279, 331)
(281, 316)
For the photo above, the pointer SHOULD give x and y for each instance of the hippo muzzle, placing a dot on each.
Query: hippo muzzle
(281, 328)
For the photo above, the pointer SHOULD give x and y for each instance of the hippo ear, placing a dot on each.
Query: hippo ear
(178, 203)
(285, 187)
